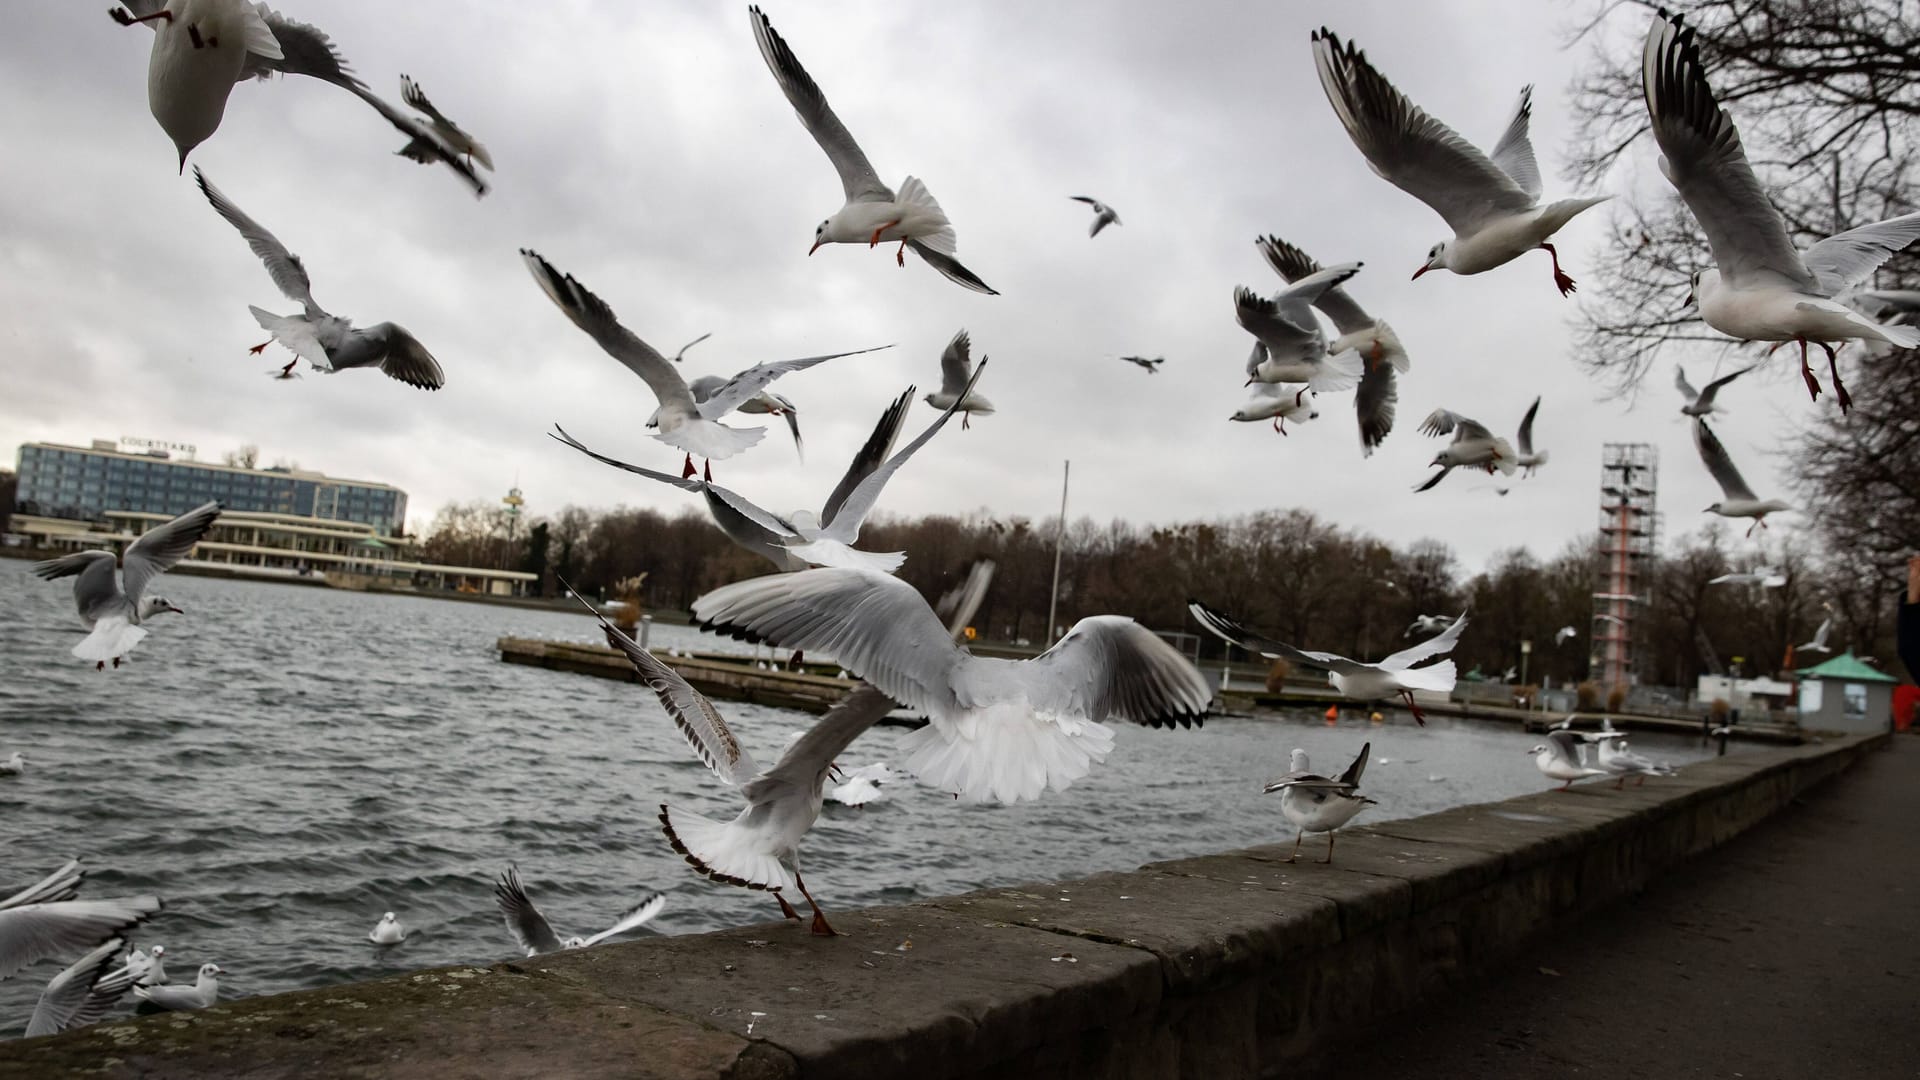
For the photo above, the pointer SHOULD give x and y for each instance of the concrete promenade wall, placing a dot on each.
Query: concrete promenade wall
(1222, 966)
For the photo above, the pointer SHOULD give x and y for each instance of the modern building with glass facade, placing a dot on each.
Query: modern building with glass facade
(85, 484)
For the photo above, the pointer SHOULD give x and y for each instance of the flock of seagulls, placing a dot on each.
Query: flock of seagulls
(999, 730)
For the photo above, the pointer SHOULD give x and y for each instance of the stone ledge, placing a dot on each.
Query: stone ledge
(1219, 966)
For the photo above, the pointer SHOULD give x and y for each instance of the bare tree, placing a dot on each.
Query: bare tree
(246, 457)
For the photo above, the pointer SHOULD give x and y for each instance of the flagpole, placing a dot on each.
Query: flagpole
(1059, 540)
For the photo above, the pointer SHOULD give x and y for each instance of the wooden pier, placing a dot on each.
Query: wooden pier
(724, 678)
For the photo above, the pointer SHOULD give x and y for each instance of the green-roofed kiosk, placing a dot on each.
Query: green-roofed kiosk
(1844, 694)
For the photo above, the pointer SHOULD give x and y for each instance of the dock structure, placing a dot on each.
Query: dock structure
(721, 677)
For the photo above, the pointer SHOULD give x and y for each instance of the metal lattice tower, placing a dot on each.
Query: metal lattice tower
(1629, 479)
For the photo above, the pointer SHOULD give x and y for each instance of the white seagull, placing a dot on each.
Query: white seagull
(1528, 459)
(799, 540)
(1622, 763)
(676, 357)
(204, 993)
(1562, 758)
(764, 403)
(81, 994)
(115, 610)
(1103, 214)
(873, 214)
(1148, 364)
(1318, 804)
(1763, 577)
(1278, 401)
(1762, 288)
(32, 932)
(1739, 500)
(1380, 350)
(1563, 635)
(1428, 624)
(1394, 676)
(782, 802)
(387, 931)
(449, 133)
(685, 424)
(1701, 402)
(15, 764)
(1819, 642)
(1491, 202)
(328, 342)
(1472, 445)
(62, 884)
(1291, 347)
(956, 378)
(536, 935)
(1006, 730)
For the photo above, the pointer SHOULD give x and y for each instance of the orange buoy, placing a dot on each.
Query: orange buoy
(1333, 715)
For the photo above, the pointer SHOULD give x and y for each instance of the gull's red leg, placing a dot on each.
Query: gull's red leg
(686, 470)
(875, 241)
(1813, 385)
(1833, 369)
(786, 909)
(1560, 279)
(820, 927)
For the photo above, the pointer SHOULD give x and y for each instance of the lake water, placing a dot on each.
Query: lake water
(284, 764)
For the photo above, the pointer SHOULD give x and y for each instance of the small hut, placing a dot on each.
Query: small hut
(1844, 694)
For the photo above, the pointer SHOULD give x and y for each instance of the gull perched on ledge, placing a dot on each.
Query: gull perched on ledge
(1318, 804)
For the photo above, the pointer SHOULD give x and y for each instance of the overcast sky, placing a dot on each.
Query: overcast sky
(647, 150)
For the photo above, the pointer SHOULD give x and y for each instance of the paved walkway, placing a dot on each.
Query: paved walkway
(1793, 951)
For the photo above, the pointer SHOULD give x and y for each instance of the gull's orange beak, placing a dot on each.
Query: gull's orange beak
(815, 247)
(1423, 269)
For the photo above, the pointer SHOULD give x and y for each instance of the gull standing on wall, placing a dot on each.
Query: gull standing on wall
(203, 994)
(1762, 287)
(1318, 804)
(873, 214)
(1491, 202)
(115, 609)
(1563, 757)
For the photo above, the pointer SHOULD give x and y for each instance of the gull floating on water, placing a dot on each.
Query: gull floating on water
(204, 993)
(1472, 445)
(782, 802)
(1739, 500)
(1278, 401)
(1394, 676)
(1562, 758)
(536, 935)
(15, 764)
(873, 213)
(798, 540)
(1761, 288)
(1318, 804)
(114, 612)
(1491, 202)
(1701, 402)
(81, 994)
(956, 382)
(1148, 364)
(387, 931)
(32, 932)
(1006, 730)
(685, 424)
(1380, 350)
(328, 342)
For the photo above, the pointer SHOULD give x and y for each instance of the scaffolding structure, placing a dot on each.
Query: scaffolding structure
(1629, 480)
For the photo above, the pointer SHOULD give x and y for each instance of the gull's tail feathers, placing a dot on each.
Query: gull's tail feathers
(914, 193)
(1006, 754)
(723, 851)
(112, 637)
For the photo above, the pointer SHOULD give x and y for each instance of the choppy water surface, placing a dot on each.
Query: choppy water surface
(284, 764)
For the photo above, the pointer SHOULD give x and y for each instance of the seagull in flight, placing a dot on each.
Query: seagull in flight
(798, 540)
(1472, 445)
(676, 357)
(1394, 676)
(685, 424)
(1103, 214)
(1006, 730)
(1278, 401)
(1527, 458)
(1150, 365)
(1764, 577)
(1320, 804)
(1381, 352)
(328, 342)
(1290, 346)
(956, 382)
(1492, 202)
(873, 212)
(1739, 500)
(1563, 635)
(450, 135)
(1762, 287)
(1428, 624)
(1701, 402)
(115, 610)
(1819, 642)
(531, 929)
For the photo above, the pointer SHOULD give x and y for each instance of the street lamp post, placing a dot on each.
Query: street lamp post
(1526, 650)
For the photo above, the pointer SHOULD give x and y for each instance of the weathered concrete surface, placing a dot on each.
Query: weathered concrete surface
(1233, 965)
